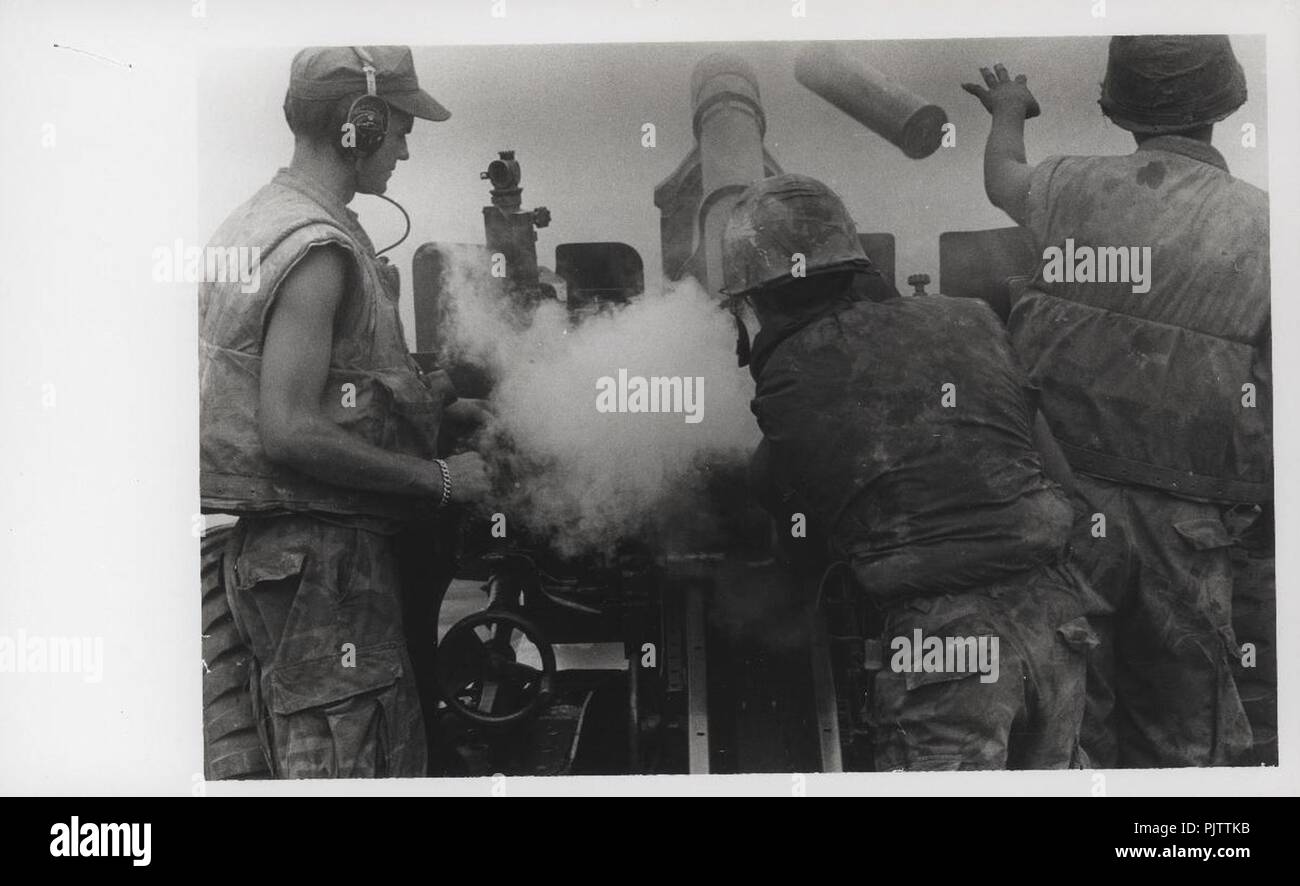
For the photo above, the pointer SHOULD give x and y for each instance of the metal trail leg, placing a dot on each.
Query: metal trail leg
(828, 721)
(697, 686)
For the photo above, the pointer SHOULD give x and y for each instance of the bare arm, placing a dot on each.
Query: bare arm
(295, 365)
(1007, 174)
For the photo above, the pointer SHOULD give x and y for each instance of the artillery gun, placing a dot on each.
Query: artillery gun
(616, 662)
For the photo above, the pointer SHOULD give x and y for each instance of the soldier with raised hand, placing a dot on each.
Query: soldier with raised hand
(319, 431)
(1159, 394)
(902, 429)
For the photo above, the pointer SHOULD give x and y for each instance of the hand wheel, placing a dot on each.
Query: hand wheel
(495, 668)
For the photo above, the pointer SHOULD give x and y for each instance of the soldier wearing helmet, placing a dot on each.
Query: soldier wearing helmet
(1161, 399)
(902, 430)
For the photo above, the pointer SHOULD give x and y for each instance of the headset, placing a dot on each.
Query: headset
(368, 118)
(368, 115)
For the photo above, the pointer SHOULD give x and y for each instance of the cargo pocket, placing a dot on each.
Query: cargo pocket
(1204, 533)
(264, 583)
(441, 386)
(951, 721)
(946, 619)
(1209, 568)
(414, 413)
(1065, 674)
(354, 401)
(1078, 635)
(914, 680)
(332, 721)
(1211, 573)
(254, 568)
(932, 721)
(956, 633)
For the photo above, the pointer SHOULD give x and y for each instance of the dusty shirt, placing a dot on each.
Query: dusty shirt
(1146, 335)
(373, 387)
(903, 429)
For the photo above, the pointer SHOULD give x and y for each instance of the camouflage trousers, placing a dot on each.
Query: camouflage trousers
(1160, 686)
(333, 689)
(1254, 622)
(1027, 718)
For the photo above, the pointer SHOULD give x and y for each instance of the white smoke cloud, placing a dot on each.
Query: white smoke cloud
(587, 479)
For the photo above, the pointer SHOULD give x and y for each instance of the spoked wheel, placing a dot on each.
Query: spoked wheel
(495, 668)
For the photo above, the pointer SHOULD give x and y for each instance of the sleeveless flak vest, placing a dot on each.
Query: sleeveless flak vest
(373, 390)
(905, 426)
(1169, 388)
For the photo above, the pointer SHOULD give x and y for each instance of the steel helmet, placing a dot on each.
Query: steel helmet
(1167, 84)
(779, 219)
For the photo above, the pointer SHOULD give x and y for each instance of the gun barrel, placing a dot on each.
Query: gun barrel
(872, 98)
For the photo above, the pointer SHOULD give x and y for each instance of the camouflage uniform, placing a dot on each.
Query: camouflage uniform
(1160, 395)
(1026, 719)
(941, 508)
(1145, 393)
(1254, 621)
(319, 606)
(312, 568)
(944, 514)
(312, 565)
(1161, 684)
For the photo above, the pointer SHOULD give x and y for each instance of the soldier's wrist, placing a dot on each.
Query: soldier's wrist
(444, 493)
(431, 488)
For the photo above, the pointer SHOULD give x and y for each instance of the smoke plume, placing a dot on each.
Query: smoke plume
(584, 479)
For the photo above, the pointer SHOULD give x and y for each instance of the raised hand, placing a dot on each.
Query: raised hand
(1002, 93)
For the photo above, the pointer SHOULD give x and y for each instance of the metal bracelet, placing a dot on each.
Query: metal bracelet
(446, 482)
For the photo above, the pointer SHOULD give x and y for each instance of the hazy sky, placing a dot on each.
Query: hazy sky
(574, 114)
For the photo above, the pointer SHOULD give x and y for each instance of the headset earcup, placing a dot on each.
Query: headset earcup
(368, 117)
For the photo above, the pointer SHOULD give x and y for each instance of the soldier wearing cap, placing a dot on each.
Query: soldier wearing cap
(1161, 400)
(901, 429)
(319, 431)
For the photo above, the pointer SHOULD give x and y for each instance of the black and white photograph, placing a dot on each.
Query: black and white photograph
(507, 397)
